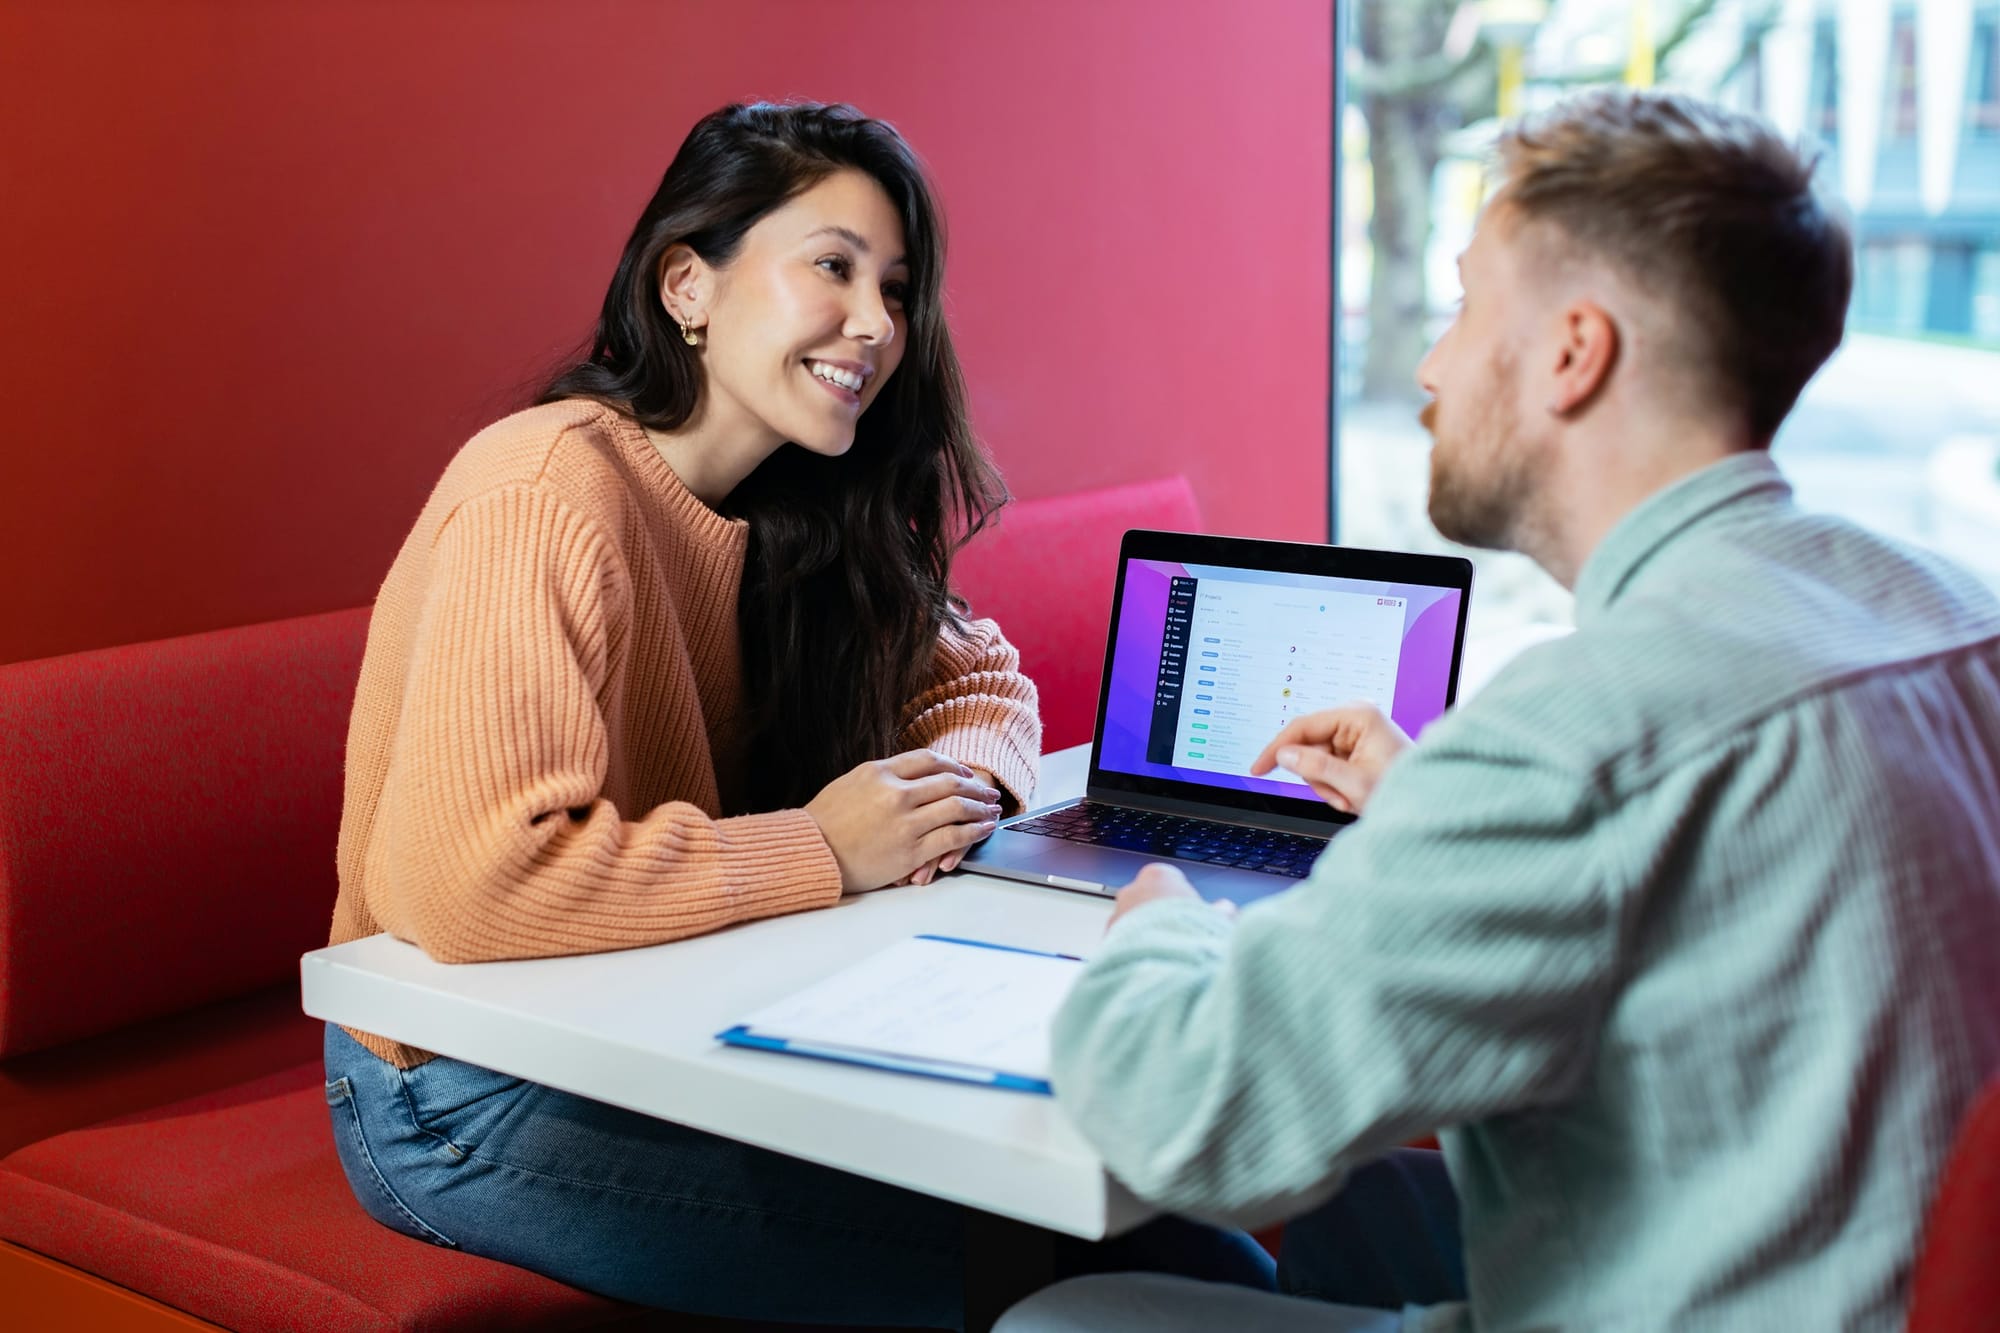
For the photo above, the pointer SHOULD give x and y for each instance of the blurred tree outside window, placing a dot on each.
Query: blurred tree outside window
(1903, 77)
(1901, 98)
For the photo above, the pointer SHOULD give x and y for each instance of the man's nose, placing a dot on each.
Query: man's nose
(1426, 368)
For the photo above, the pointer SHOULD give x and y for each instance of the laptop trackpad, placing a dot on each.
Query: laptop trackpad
(1105, 865)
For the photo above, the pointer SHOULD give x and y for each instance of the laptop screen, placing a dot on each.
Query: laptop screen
(1209, 661)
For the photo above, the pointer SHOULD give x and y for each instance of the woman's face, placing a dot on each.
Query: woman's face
(804, 327)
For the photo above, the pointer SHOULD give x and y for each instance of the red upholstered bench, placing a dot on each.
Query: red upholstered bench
(168, 814)
(167, 820)
(1045, 571)
(1957, 1284)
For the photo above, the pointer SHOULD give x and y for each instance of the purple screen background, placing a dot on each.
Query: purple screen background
(1423, 671)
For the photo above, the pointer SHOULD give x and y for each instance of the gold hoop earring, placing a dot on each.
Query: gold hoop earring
(688, 335)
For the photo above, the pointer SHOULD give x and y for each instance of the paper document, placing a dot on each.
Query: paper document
(933, 1005)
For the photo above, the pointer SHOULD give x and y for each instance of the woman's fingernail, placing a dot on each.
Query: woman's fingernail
(992, 794)
(1288, 756)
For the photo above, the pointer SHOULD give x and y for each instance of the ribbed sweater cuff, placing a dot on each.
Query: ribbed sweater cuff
(998, 754)
(780, 863)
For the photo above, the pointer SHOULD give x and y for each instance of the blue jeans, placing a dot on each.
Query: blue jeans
(658, 1214)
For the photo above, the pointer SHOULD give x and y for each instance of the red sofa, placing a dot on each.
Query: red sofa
(1046, 572)
(167, 822)
(167, 814)
(1957, 1285)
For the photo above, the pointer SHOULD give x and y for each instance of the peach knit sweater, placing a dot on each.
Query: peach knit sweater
(548, 727)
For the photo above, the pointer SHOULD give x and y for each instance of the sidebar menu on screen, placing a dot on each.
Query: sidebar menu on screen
(1172, 674)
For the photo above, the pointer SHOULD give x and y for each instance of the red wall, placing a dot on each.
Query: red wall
(269, 265)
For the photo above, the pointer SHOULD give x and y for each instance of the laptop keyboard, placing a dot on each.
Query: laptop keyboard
(1177, 836)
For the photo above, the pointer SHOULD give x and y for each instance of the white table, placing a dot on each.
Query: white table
(636, 1029)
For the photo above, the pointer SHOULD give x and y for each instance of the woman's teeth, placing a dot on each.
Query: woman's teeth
(846, 379)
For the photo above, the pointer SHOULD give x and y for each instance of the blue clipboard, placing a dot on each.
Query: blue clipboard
(742, 1036)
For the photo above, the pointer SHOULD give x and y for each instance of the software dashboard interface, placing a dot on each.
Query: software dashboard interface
(1211, 662)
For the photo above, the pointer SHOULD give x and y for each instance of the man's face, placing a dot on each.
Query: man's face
(1487, 462)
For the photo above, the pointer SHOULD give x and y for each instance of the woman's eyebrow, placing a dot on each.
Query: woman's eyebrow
(853, 238)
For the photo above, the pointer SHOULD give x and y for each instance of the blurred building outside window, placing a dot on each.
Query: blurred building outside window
(1899, 431)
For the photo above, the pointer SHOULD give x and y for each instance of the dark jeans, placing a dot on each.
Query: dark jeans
(1390, 1238)
(1387, 1241)
(658, 1214)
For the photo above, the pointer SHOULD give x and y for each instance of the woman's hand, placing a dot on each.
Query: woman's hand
(891, 818)
(1340, 752)
(947, 863)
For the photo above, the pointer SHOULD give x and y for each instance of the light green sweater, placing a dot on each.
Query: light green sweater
(1685, 934)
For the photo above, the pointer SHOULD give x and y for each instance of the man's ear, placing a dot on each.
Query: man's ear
(1585, 357)
(685, 286)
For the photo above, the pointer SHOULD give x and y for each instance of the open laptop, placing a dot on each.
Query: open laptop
(1216, 643)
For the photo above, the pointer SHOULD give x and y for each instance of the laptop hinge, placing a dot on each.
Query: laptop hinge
(1169, 805)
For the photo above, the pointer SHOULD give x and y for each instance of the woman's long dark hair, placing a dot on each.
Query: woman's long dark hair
(847, 584)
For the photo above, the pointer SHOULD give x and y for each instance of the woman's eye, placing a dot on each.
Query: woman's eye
(895, 293)
(838, 265)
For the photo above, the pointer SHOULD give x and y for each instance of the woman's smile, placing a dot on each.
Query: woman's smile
(845, 380)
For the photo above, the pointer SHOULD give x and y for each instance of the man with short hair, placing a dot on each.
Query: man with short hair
(1683, 934)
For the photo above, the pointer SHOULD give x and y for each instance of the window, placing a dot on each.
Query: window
(1750, 76)
(1891, 280)
(1982, 105)
(1424, 84)
(1824, 118)
(1986, 295)
(1901, 120)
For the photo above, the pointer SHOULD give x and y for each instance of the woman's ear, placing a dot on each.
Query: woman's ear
(686, 284)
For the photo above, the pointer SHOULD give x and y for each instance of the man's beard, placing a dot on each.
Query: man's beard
(1483, 480)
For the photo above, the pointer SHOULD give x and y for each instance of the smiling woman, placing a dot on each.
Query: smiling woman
(789, 264)
(672, 649)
